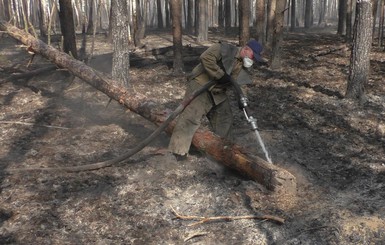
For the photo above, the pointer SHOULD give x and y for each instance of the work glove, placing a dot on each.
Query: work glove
(225, 79)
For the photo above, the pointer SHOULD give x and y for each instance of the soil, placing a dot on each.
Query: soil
(334, 147)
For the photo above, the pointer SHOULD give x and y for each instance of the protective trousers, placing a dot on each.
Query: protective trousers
(219, 115)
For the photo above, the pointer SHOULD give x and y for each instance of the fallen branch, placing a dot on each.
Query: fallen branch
(197, 234)
(202, 220)
(29, 74)
(342, 47)
(32, 124)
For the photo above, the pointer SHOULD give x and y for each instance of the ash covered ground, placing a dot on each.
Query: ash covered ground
(333, 147)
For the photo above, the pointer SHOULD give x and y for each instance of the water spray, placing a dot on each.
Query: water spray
(243, 103)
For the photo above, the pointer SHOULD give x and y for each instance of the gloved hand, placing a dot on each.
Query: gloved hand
(226, 78)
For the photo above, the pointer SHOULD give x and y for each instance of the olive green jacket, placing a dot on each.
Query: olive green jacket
(218, 59)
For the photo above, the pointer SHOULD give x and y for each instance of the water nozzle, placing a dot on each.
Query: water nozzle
(253, 123)
(243, 100)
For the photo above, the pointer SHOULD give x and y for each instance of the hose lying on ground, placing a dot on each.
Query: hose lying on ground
(131, 152)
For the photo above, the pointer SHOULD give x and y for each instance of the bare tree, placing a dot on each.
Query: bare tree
(244, 20)
(138, 18)
(308, 13)
(271, 12)
(42, 20)
(381, 24)
(201, 13)
(349, 15)
(341, 17)
(260, 21)
(277, 34)
(190, 16)
(7, 10)
(227, 15)
(167, 11)
(221, 15)
(293, 15)
(121, 55)
(360, 56)
(90, 27)
(176, 17)
(67, 27)
(160, 13)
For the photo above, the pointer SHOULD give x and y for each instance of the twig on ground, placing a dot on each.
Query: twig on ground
(195, 235)
(202, 220)
(33, 124)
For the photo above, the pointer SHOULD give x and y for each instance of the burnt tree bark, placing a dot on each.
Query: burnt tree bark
(227, 16)
(67, 27)
(42, 21)
(260, 21)
(160, 13)
(90, 27)
(233, 156)
(360, 56)
(308, 13)
(201, 20)
(120, 36)
(276, 39)
(244, 26)
(176, 17)
(190, 17)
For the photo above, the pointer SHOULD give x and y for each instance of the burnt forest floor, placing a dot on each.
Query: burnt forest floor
(334, 148)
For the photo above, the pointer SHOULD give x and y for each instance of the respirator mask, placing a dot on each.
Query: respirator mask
(247, 62)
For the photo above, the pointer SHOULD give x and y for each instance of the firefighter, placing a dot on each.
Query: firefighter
(220, 62)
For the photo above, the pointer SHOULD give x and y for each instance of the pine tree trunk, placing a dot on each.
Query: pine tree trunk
(381, 24)
(202, 21)
(221, 17)
(341, 17)
(159, 13)
(121, 54)
(244, 18)
(190, 17)
(271, 12)
(68, 28)
(260, 21)
(276, 42)
(349, 15)
(7, 12)
(42, 21)
(360, 56)
(309, 14)
(90, 27)
(227, 15)
(293, 15)
(167, 10)
(176, 16)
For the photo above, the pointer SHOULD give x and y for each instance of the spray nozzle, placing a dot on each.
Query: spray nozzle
(243, 101)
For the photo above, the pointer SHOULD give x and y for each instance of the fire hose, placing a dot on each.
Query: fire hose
(93, 166)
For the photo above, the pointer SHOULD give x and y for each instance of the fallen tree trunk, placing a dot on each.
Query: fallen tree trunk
(272, 177)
